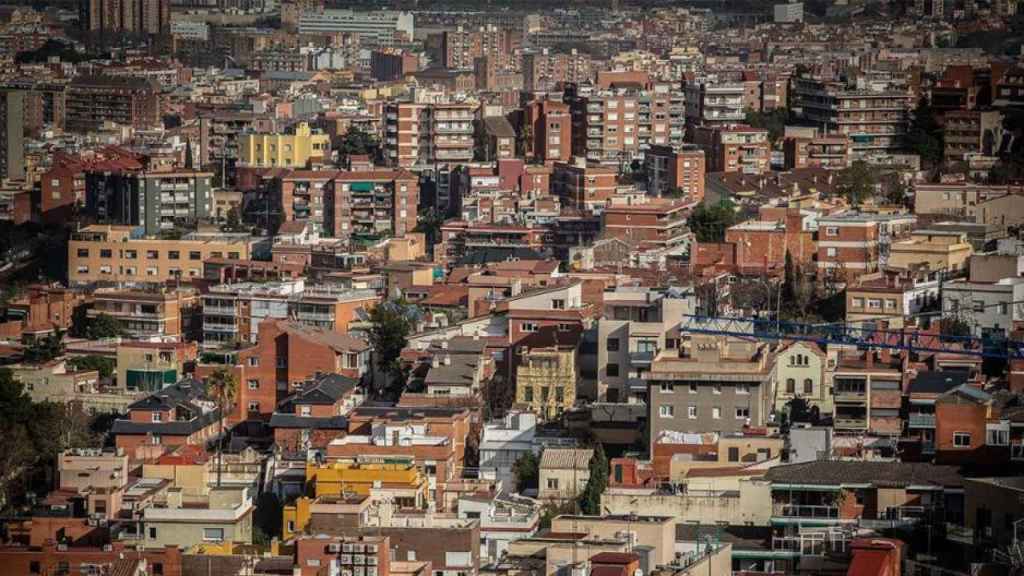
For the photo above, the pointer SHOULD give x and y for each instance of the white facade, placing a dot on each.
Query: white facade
(789, 13)
(380, 26)
(990, 309)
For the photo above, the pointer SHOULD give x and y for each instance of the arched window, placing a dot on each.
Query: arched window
(790, 386)
(808, 386)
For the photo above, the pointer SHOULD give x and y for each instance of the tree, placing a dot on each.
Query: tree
(45, 349)
(429, 222)
(708, 222)
(391, 322)
(234, 220)
(774, 121)
(103, 326)
(498, 397)
(798, 410)
(924, 137)
(105, 366)
(954, 327)
(590, 500)
(356, 142)
(222, 388)
(857, 182)
(674, 192)
(527, 472)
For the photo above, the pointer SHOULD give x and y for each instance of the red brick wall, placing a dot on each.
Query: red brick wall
(952, 417)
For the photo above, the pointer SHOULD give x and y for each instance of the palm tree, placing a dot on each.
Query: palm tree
(223, 388)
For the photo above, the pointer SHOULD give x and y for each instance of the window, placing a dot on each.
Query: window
(528, 326)
(552, 483)
(612, 370)
(233, 255)
(195, 255)
(151, 272)
(305, 411)
(557, 304)
(831, 231)
(962, 439)
(691, 412)
(874, 303)
(667, 387)
(173, 255)
(830, 252)
(152, 532)
(743, 388)
(890, 304)
(83, 252)
(34, 568)
(716, 412)
(790, 386)
(666, 411)
(106, 253)
(254, 384)
(808, 386)
(152, 254)
(158, 417)
(1004, 308)
(858, 303)
(254, 406)
(131, 254)
(997, 437)
(742, 413)
(528, 394)
(154, 439)
(734, 454)
(613, 345)
(716, 389)
(979, 305)
(564, 327)
(693, 388)
(254, 361)
(213, 534)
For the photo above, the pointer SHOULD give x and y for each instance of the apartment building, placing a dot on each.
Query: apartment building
(543, 71)
(301, 196)
(121, 254)
(390, 64)
(295, 150)
(152, 17)
(708, 384)
(760, 246)
(583, 184)
(152, 199)
(547, 135)
(365, 207)
(888, 297)
(425, 134)
(734, 148)
(867, 391)
(12, 135)
(714, 104)
(874, 120)
(234, 312)
(848, 245)
(563, 473)
(676, 168)
(546, 380)
(956, 199)
(145, 314)
(618, 124)
(458, 238)
(992, 310)
(461, 47)
(804, 370)
(353, 554)
(224, 515)
(129, 101)
(649, 222)
(315, 413)
(176, 415)
(830, 152)
(633, 329)
(967, 132)
(938, 250)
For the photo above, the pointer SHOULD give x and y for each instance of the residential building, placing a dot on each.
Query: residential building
(634, 327)
(505, 441)
(56, 382)
(546, 380)
(121, 254)
(709, 384)
(583, 184)
(315, 413)
(959, 200)
(98, 476)
(370, 206)
(177, 415)
(804, 370)
(497, 139)
(12, 135)
(150, 366)
(350, 553)
(831, 152)
(874, 120)
(924, 389)
(760, 247)
(167, 313)
(390, 64)
(563, 473)
(111, 17)
(714, 104)
(154, 200)
(404, 483)
(649, 222)
(129, 101)
(547, 131)
(734, 148)
(848, 245)
(503, 520)
(669, 169)
(889, 297)
(658, 532)
(971, 132)
(225, 515)
(544, 70)
(461, 47)
(946, 252)
(867, 390)
(423, 134)
(993, 508)
(789, 13)
(296, 150)
(991, 310)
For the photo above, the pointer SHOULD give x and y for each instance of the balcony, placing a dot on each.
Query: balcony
(219, 310)
(221, 328)
(809, 511)
(921, 421)
(850, 423)
(850, 396)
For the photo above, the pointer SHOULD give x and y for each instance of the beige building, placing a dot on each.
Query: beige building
(802, 371)
(932, 249)
(114, 254)
(224, 515)
(742, 500)
(658, 532)
(144, 314)
(546, 380)
(56, 382)
(85, 468)
(150, 366)
(564, 472)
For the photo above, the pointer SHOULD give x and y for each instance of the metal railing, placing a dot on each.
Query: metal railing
(805, 511)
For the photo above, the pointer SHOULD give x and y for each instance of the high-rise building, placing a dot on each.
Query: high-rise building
(382, 28)
(542, 71)
(461, 47)
(714, 103)
(92, 100)
(547, 134)
(735, 148)
(153, 200)
(12, 135)
(370, 206)
(424, 134)
(151, 17)
(675, 167)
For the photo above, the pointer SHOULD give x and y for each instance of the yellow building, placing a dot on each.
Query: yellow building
(546, 381)
(116, 254)
(287, 150)
(402, 482)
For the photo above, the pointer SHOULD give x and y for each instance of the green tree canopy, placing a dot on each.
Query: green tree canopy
(102, 364)
(527, 472)
(708, 222)
(590, 500)
(103, 326)
(45, 349)
(857, 182)
(391, 323)
(356, 142)
(924, 137)
(774, 121)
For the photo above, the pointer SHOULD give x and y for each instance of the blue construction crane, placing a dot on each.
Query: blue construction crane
(845, 334)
